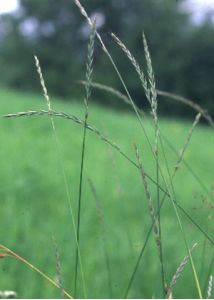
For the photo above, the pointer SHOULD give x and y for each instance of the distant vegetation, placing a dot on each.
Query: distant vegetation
(182, 52)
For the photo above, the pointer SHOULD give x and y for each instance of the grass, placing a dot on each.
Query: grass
(99, 240)
(34, 204)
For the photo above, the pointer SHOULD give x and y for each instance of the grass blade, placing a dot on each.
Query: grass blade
(210, 286)
(113, 145)
(58, 266)
(164, 94)
(183, 149)
(125, 99)
(42, 82)
(154, 106)
(178, 274)
(93, 129)
(210, 270)
(89, 71)
(155, 221)
(9, 252)
(104, 237)
(189, 103)
(135, 65)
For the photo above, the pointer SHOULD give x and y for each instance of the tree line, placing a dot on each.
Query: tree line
(182, 53)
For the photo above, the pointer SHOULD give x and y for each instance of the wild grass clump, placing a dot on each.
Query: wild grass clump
(159, 189)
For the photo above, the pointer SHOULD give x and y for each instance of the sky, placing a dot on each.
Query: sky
(198, 7)
(8, 5)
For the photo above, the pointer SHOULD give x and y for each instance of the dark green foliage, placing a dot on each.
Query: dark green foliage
(182, 54)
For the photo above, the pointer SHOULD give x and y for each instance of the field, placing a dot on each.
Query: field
(35, 218)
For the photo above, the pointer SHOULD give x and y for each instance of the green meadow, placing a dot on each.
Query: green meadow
(38, 163)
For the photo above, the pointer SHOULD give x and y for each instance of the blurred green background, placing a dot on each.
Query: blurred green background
(34, 204)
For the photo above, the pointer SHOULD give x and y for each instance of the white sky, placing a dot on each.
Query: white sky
(198, 7)
(8, 5)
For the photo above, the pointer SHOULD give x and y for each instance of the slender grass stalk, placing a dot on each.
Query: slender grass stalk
(136, 66)
(183, 149)
(150, 91)
(80, 122)
(155, 220)
(178, 273)
(171, 183)
(131, 279)
(186, 244)
(194, 222)
(125, 99)
(84, 13)
(150, 202)
(154, 106)
(210, 286)
(203, 254)
(42, 82)
(180, 159)
(58, 266)
(164, 94)
(135, 268)
(104, 237)
(9, 252)
(173, 202)
(119, 192)
(209, 271)
(172, 198)
(89, 71)
(88, 126)
(113, 145)
(151, 79)
(82, 10)
(143, 80)
(189, 103)
(110, 90)
(189, 168)
(138, 116)
(176, 205)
